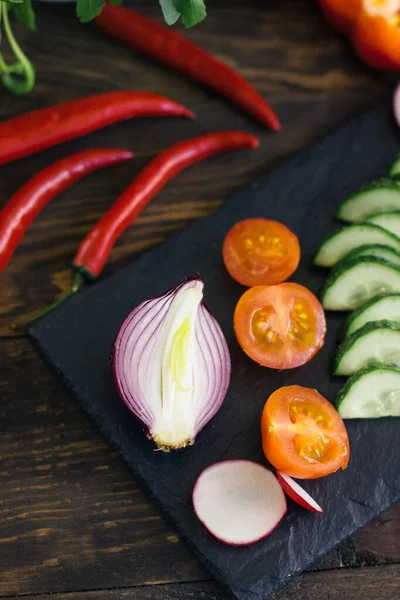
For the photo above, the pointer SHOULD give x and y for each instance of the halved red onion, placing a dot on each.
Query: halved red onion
(396, 104)
(171, 364)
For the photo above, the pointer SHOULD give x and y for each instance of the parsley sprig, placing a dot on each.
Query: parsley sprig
(190, 11)
(19, 76)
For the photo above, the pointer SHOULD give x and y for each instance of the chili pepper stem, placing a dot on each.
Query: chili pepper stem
(79, 281)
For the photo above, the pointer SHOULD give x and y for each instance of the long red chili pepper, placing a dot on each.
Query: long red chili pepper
(172, 49)
(97, 245)
(26, 204)
(47, 127)
(95, 248)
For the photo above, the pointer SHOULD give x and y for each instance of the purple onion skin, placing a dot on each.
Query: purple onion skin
(396, 104)
(208, 333)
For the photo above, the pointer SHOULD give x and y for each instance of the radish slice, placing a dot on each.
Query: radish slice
(396, 104)
(296, 493)
(238, 501)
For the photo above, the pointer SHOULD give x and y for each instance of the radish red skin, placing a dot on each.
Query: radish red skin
(220, 538)
(296, 497)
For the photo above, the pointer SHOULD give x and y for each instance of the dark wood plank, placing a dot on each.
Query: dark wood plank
(304, 68)
(73, 518)
(372, 583)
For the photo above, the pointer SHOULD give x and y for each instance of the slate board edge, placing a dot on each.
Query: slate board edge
(115, 442)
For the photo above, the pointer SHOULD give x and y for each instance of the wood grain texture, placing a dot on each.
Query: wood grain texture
(308, 73)
(371, 583)
(72, 518)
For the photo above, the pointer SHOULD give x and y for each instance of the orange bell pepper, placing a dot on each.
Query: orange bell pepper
(373, 27)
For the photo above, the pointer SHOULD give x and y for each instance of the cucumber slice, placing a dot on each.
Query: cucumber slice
(337, 245)
(354, 282)
(395, 168)
(388, 220)
(375, 250)
(381, 196)
(377, 309)
(371, 393)
(378, 341)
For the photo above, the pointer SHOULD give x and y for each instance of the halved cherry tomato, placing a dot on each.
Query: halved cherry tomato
(260, 252)
(280, 326)
(302, 434)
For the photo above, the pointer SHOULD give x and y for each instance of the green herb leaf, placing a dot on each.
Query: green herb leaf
(171, 15)
(115, 2)
(89, 9)
(24, 13)
(12, 1)
(192, 11)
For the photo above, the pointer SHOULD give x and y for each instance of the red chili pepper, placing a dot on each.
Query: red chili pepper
(172, 49)
(97, 245)
(47, 127)
(95, 248)
(26, 204)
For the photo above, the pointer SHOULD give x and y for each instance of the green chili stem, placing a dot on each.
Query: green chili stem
(76, 286)
(23, 66)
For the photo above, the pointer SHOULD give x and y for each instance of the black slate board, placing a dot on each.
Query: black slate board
(77, 338)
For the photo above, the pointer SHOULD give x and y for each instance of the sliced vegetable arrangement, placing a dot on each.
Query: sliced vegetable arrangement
(171, 360)
(366, 277)
(241, 502)
(172, 368)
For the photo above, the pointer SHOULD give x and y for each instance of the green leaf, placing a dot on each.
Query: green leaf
(12, 1)
(24, 13)
(115, 2)
(192, 11)
(171, 15)
(89, 9)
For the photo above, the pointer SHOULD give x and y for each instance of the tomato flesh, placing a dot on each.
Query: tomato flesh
(260, 252)
(303, 435)
(281, 326)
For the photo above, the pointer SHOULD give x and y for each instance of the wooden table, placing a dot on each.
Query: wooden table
(74, 522)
